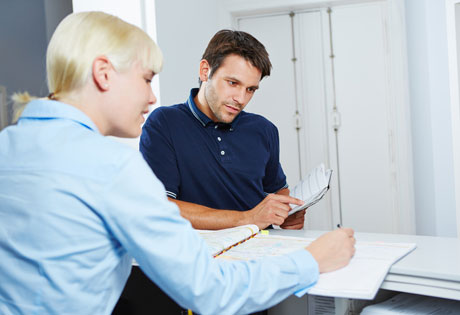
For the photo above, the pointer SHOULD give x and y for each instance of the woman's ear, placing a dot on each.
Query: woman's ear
(102, 69)
(205, 70)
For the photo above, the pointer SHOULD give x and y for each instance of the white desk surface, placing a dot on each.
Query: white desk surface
(433, 268)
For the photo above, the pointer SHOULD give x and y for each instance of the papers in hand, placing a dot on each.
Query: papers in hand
(312, 188)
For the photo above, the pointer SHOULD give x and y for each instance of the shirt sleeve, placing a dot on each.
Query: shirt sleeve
(178, 260)
(274, 178)
(156, 137)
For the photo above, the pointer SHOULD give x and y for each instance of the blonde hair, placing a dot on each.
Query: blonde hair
(83, 36)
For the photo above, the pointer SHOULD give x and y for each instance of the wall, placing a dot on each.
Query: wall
(430, 111)
(55, 11)
(23, 45)
(184, 29)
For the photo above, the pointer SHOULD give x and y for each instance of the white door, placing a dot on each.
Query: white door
(332, 68)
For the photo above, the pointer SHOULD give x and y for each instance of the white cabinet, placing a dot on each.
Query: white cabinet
(337, 95)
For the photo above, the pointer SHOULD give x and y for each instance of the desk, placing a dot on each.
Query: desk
(432, 269)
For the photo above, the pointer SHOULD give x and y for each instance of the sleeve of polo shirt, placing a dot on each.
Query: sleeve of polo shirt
(157, 147)
(177, 259)
(274, 178)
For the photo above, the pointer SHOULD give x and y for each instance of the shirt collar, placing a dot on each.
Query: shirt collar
(49, 109)
(201, 117)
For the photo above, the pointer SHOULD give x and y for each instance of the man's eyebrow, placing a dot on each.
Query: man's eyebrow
(233, 79)
(255, 87)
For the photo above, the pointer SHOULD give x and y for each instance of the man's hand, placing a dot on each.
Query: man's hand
(274, 209)
(333, 250)
(295, 221)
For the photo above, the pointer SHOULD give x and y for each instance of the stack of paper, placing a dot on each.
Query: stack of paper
(405, 303)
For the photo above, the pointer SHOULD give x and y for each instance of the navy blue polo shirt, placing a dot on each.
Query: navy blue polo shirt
(223, 166)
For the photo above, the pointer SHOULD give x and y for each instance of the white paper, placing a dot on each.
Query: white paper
(413, 304)
(218, 240)
(312, 188)
(360, 279)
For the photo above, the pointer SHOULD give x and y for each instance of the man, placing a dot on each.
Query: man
(219, 164)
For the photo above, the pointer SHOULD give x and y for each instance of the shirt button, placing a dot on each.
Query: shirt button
(219, 139)
(215, 127)
(222, 152)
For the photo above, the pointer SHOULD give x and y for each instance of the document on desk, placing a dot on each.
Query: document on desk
(360, 279)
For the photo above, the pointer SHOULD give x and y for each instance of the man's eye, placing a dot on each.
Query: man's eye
(148, 81)
(232, 82)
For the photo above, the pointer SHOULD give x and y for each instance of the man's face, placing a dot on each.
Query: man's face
(231, 88)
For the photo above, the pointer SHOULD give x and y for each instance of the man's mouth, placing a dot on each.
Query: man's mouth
(232, 108)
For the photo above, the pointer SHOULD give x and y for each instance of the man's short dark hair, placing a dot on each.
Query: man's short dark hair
(227, 42)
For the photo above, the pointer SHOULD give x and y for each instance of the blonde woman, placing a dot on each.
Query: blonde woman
(76, 206)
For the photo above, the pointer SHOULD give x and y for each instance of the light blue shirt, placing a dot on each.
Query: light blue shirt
(76, 207)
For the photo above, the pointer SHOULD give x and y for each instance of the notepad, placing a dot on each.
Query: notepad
(360, 279)
(312, 188)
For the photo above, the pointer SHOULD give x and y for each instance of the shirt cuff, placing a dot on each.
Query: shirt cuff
(308, 271)
(171, 194)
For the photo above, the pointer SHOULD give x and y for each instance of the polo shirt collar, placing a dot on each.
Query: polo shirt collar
(201, 117)
(50, 109)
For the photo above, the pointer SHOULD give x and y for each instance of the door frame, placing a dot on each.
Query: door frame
(404, 218)
(454, 98)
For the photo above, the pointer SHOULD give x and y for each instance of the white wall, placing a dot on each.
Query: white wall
(430, 111)
(184, 29)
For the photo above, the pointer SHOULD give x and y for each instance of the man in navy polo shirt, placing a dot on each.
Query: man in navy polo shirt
(219, 164)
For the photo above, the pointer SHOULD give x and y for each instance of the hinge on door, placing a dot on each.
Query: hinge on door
(297, 121)
(336, 119)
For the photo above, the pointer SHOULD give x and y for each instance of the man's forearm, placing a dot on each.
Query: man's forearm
(284, 191)
(206, 218)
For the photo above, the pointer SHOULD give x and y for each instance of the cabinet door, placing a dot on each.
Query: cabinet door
(332, 67)
(364, 137)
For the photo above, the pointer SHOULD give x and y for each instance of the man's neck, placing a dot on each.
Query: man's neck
(202, 104)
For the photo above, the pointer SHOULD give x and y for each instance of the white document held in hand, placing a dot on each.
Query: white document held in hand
(312, 188)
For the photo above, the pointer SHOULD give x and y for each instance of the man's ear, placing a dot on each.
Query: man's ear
(102, 72)
(205, 70)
